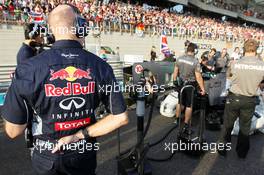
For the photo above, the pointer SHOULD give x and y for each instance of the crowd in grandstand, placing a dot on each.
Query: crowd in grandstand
(224, 4)
(128, 16)
(253, 13)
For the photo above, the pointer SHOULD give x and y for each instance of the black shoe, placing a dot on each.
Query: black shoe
(241, 156)
(186, 130)
(222, 152)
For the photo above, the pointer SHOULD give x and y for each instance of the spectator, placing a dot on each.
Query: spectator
(236, 54)
(11, 9)
(223, 61)
(118, 51)
(37, 15)
(153, 54)
(25, 13)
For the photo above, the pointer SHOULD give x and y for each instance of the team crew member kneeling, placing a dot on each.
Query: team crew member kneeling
(246, 76)
(187, 71)
(63, 86)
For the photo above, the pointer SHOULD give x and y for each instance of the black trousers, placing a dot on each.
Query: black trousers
(241, 107)
(68, 164)
(186, 97)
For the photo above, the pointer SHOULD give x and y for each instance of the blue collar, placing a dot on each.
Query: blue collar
(66, 44)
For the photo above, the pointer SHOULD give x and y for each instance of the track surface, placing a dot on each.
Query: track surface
(15, 160)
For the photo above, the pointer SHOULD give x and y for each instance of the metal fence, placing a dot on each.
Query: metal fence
(5, 76)
(118, 69)
(181, 32)
(156, 30)
(6, 72)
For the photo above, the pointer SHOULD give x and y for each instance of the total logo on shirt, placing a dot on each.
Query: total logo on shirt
(64, 126)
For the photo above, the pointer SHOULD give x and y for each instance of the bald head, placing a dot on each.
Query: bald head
(61, 21)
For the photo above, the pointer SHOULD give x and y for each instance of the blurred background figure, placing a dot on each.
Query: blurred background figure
(223, 61)
(236, 55)
(170, 57)
(209, 60)
(118, 51)
(153, 54)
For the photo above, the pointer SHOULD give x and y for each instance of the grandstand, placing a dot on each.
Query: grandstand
(127, 16)
(144, 26)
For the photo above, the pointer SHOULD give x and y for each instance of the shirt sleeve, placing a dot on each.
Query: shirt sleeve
(15, 109)
(112, 95)
(24, 54)
(198, 67)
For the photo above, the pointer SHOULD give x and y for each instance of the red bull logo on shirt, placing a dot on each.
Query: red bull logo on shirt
(71, 89)
(70, 74)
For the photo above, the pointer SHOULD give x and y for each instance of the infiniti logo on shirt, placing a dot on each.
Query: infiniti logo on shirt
(68, 103)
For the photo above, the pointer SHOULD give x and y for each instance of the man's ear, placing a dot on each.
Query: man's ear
(261, 86)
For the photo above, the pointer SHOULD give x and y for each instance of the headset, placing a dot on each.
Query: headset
(196, 50)
(31, 30)
(34, 32)
(80, 23)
